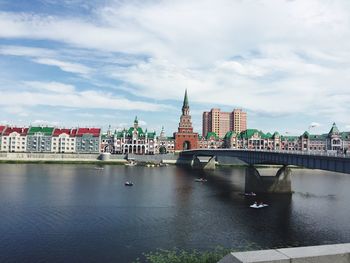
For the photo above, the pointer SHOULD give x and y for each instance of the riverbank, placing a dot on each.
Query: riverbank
(64, 158)
(75, 158)
(97, 162)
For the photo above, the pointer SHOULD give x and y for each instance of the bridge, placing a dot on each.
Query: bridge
(281, 183)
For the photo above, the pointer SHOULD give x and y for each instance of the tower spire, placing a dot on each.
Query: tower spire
(185, 104)
(136, 123)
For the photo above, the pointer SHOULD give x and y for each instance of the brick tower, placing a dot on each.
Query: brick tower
(185, 138)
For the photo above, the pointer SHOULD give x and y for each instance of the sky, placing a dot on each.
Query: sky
(74, 63)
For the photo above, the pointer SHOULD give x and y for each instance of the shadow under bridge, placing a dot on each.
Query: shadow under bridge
(254, 182)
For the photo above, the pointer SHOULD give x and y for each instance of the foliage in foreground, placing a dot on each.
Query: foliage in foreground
(182, 256)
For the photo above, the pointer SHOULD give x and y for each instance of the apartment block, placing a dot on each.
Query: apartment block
(13, 139)
(88, 140)
(39, 139)
(222, 122)
(64, 141)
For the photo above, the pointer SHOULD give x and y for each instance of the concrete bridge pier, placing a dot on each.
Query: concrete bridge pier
(206, 163)
(280, 183)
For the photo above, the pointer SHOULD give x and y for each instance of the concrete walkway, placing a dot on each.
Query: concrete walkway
(339, 253)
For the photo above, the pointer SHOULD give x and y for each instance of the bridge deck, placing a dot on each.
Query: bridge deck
(311, 160)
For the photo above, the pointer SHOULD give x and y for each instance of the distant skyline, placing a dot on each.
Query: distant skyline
(102, 62)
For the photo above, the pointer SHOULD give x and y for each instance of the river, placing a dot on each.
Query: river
(76, 213)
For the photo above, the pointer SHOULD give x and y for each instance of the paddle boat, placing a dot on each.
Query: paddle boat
(201, 180)
(250, 194)
(131, 163)
(260, 205)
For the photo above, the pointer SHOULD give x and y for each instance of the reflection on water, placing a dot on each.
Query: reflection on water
(57, 213)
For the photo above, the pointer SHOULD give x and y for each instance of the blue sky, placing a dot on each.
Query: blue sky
(97, 63)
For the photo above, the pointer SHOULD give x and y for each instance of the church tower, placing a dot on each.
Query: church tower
(185, 138)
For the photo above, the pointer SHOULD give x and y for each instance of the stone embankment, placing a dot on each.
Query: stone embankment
(85, 158)
(339, 253)
(58, 157)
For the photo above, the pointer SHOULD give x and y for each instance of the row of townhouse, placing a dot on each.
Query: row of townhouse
(49, 139)
(136, 140)
(334, 140)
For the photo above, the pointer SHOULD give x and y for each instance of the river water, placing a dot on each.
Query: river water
(76, 213)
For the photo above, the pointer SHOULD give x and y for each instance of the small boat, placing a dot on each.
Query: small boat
(256, 205)
(128, 183)
(131, 163)
(201, 180)
(250, 194)
(98, 168)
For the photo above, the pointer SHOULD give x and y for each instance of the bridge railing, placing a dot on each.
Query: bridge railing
(313, 153)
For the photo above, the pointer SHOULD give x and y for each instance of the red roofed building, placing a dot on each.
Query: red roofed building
(95, 132)
(74, 132)
(63, 141)
(2, 128)
(88, 140)
(14, 139)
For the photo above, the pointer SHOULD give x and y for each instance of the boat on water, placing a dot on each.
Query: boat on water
(128, 183)
(130, 163)
(250, 194)
(260, 205)
(201, 180)
(98, 168)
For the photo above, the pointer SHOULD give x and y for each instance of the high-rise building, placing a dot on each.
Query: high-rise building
(221, 122)
(239, 120)
(185, 138)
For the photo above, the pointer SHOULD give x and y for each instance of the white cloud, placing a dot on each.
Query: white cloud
(56, 87)
(59, 94)
(65, 66)
(16, 110)
(26, 51)
(142, 123)
(47, 57)
(45, 122)
(275, 57)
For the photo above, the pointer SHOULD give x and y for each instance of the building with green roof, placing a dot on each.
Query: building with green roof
(210, 141)
(39, 139)
(334, 140)
(133, 140)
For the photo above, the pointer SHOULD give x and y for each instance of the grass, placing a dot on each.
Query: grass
(183, 256)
